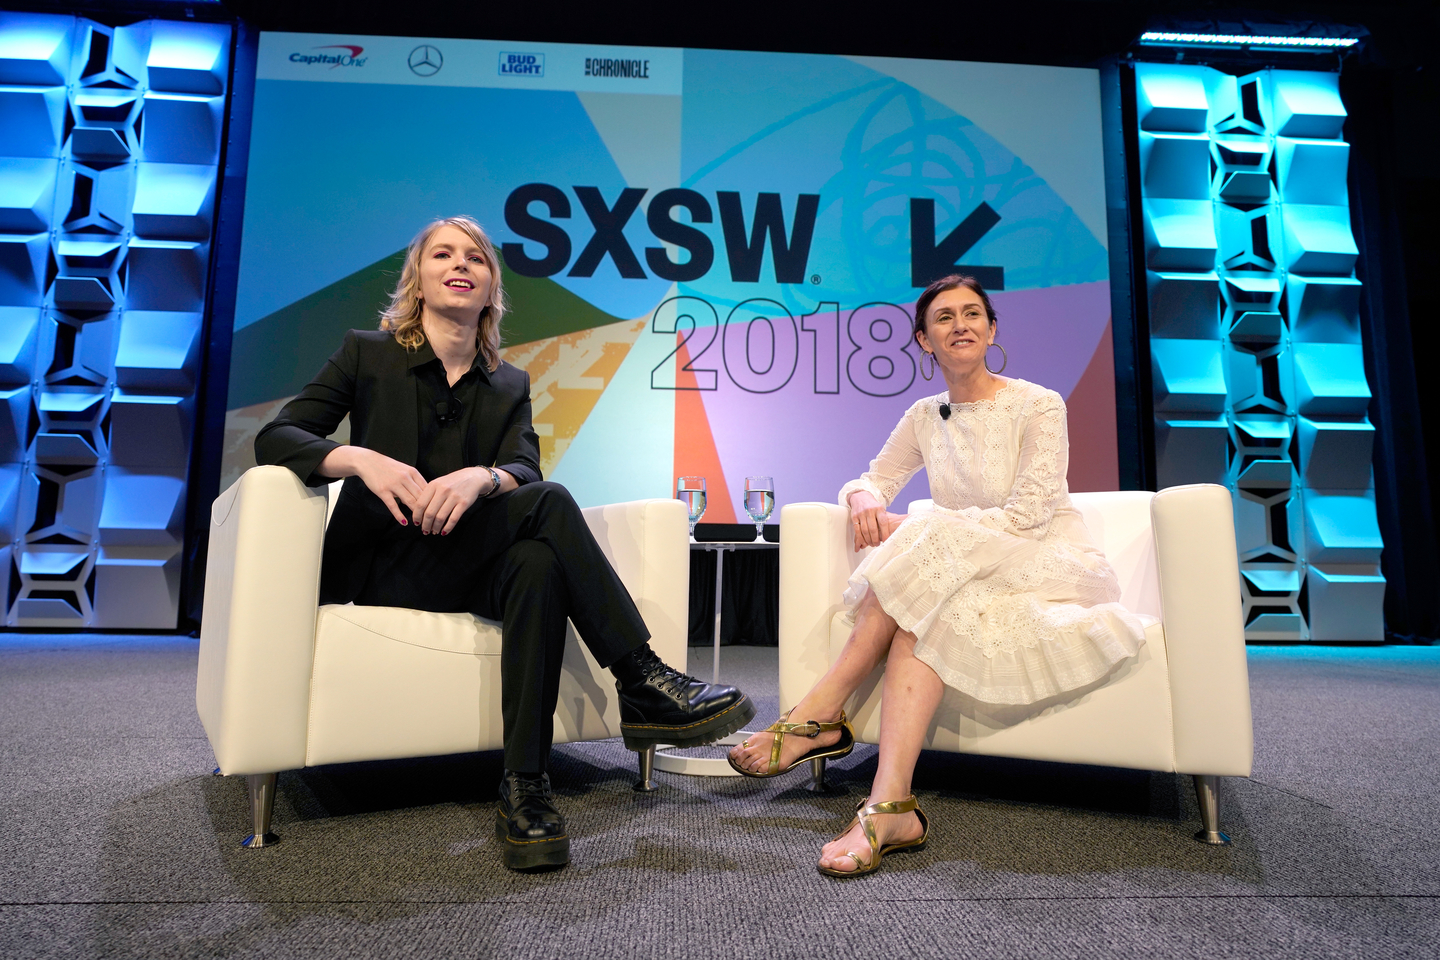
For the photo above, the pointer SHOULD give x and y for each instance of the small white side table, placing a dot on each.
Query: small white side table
(712, 766)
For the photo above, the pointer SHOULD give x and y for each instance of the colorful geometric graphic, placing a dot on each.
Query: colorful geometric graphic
(713, 259)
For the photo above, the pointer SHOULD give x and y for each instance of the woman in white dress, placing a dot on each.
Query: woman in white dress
(998, 592)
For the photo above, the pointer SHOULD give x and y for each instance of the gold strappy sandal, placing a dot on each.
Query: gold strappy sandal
(863, 815)
(811, 729)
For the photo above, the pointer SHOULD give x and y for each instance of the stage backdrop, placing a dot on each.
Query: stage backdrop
(713, 257)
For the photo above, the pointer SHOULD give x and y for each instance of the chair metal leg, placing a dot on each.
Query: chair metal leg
(262, 806)
(817, 776)
(646, 783)
(1209, 811)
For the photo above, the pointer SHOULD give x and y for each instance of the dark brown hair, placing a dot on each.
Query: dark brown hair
(922, 305)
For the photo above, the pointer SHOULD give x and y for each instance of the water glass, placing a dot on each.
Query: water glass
(759, 502)
(692, 491)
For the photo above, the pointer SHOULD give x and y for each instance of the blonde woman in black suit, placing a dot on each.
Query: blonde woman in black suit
(443, 508)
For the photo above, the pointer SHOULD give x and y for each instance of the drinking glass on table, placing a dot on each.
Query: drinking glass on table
(692, 491)
(759, 502)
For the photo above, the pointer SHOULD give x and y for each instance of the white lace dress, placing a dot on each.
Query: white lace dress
(1010, 601)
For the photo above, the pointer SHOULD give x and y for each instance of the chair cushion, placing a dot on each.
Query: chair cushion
(1125, 721)
(389, 682)
(445, 632)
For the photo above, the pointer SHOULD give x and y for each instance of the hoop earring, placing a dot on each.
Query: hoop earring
(931, 357)
(1004, 359)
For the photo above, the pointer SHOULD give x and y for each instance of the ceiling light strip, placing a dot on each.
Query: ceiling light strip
(1246, 40)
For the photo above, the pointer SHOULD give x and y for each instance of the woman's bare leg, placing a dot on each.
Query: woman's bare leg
(912, 693)
(868, 644)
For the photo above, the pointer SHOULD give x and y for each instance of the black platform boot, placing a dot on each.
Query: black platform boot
(530, 830)
(659, 704)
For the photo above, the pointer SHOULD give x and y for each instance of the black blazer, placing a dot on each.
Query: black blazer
(372, 378)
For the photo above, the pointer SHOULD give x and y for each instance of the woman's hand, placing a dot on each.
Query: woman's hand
(392, 481)
(445, 499)
(869, 520)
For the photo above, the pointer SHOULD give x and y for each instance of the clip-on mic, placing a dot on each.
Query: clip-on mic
(448, 411)
(944, 411)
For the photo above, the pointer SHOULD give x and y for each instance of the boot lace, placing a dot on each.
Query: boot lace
(524, 788)
(665, 677)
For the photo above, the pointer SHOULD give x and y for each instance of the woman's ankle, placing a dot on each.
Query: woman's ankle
(804, 712)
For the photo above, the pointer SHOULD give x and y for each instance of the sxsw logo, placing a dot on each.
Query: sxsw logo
(522, 64)
(351, 58)
(745, 234)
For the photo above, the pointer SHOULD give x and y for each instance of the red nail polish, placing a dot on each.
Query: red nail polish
(404, 523)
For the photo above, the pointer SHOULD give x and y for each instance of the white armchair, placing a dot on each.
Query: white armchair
(1182, 705)
(286, 683)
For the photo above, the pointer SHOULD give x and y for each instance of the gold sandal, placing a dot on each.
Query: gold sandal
(863, 815)
(811, 729)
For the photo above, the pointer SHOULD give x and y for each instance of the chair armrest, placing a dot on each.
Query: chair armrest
(257, 637)
(648, 544)
(816, 559)
(1204, 630)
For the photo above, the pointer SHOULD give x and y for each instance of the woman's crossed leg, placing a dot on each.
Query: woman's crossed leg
(912, 692)
(868, 644)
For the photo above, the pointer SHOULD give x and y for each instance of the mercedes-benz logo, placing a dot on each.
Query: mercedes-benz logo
(425, 60)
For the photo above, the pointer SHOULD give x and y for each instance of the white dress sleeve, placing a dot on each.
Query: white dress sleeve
(1044, 461)
(899, 460)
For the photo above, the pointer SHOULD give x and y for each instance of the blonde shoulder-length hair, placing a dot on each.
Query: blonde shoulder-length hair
(401, 316)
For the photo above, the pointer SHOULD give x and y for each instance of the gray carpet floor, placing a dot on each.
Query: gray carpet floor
(116, 842)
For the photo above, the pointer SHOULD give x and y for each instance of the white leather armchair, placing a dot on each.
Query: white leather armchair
(1182, 705)
(285, 683)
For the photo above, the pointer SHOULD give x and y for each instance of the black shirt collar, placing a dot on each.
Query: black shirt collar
(426, 354)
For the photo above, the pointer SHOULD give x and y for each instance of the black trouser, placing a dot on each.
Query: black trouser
(527, 559)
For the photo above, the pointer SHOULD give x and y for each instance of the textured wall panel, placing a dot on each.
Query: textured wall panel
(1346, 603)
(158, 351)
(1187, 375)
(1330, 379)
(1307, 104)
(1185, 306)
(27, 193)
(180, 128)
(1188, 448)
(31, 119)
(1336, 453)
(35, 50)
(1260, 384)
(167, 275)
(1171, 100)
(173, 201)
(1324, 309)
(1318, 240)
(22, 269)
(109, 149)
(150, 431)
(1179, 235)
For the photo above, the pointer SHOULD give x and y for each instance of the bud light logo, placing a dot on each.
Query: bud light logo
(522, 64)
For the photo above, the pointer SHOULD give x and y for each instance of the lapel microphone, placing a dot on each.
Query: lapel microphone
(944, 411)
(448, 411)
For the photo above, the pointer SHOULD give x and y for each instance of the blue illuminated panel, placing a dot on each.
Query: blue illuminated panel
(1258, 372)
(109, 150)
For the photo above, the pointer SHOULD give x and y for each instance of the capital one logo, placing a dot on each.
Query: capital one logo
(425, 60)
(351, 58)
